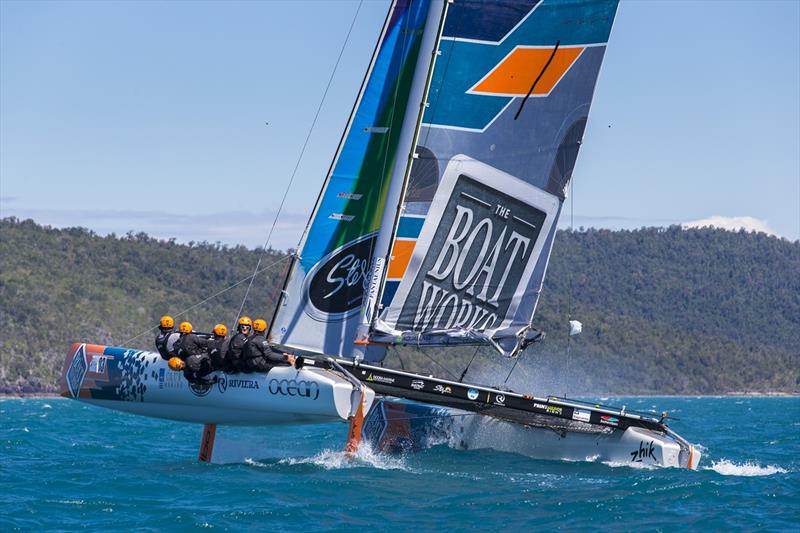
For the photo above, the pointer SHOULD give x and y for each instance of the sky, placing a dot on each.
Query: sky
(186, 119)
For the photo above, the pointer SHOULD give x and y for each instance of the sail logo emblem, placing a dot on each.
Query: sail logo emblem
(481, 244)
(336, 285)
(77, 371)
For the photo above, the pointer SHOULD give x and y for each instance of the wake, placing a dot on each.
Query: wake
(747, 469)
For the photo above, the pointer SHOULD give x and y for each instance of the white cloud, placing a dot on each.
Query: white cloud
(732, 224)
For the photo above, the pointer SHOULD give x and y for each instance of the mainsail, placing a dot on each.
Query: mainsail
(436, 222)
(508, 105)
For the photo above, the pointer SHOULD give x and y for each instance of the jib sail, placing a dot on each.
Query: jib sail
(507, 108)
(324, 297)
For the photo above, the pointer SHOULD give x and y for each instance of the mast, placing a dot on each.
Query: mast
(409, 135)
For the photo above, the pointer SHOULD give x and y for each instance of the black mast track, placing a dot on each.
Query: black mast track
(559, 414)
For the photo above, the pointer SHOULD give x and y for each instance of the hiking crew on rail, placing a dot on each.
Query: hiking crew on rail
(199, 354)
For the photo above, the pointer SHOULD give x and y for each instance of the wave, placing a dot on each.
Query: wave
(364, 457)
(747, 469)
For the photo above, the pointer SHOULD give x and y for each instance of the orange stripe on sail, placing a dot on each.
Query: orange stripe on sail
(517, 72)
(401, 255)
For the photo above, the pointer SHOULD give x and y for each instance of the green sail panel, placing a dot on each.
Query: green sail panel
(320, 306)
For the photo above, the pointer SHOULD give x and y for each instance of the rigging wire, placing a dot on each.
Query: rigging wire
(226, 289)
(464, 373)
(437, 363)
(516, 362)
(299, 158)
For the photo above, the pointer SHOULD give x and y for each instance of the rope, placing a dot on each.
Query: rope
(299, 159)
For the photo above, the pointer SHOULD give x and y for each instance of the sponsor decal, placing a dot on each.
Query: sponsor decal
(336, 285)
(77, 371)
(379, 379)
(98, 364)
(500, 399)
(417, 384)
(645, 451)
(581, 415)
(441, 389)
(170, 380)
(292, 387)
(372, 287)
(541, 406)
(554, 410)
(609, 420)
(224, 383)
(200, 389)
(472, 394)
(475, 253)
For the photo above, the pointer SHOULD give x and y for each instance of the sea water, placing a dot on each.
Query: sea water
(66, 465)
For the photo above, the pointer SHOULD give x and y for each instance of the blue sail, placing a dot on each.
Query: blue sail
(324, 300)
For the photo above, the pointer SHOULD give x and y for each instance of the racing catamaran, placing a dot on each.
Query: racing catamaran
(433, 229)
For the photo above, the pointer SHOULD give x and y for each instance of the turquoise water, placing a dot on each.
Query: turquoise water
(65, 465)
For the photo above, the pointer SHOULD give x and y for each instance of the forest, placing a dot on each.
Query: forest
(664, 310)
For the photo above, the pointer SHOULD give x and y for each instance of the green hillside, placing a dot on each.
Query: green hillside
(664, 311)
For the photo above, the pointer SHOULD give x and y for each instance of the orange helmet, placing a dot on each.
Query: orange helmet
(166, 322)
(220, 330)
(260, 325)
(245, 321)
(185, 327)
(176, 363)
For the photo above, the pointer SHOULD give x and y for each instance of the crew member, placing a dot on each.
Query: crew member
(258, 355)
(218, 346)
(233, 356)
(167, 337)
(194, 352)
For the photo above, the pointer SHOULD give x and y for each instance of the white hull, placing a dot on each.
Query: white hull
(141, 383)
(394, 425)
